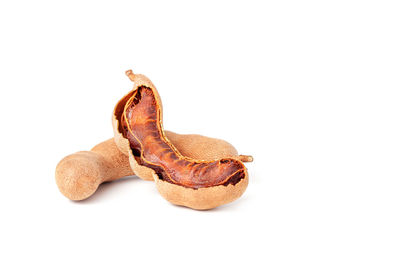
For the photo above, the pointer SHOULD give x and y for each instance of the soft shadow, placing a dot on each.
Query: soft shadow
(108, 189)
(233, 206)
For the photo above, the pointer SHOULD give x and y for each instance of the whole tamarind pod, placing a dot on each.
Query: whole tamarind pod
(79, 175)
(198, 184)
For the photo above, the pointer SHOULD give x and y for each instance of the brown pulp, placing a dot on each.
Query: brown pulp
(141, 125)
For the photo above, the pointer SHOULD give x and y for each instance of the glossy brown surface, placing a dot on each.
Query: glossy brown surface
(141, 125)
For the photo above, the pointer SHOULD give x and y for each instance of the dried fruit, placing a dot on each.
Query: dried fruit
(137, 121)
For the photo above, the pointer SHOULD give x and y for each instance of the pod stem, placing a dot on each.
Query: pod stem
(245, 158)
(130, 75)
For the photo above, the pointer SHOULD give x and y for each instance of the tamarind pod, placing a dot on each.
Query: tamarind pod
(79, 175)
(137, 122)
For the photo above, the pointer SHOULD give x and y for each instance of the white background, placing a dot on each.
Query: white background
(309, 88)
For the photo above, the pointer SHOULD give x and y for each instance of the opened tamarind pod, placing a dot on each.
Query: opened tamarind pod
(198, 184)
(79, 175)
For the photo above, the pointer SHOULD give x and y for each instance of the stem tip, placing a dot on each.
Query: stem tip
(130, 74)
(245, 158)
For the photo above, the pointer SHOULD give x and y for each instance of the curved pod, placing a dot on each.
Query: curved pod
(137, 121)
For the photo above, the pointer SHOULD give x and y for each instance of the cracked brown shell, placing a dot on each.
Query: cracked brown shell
(207, 189)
